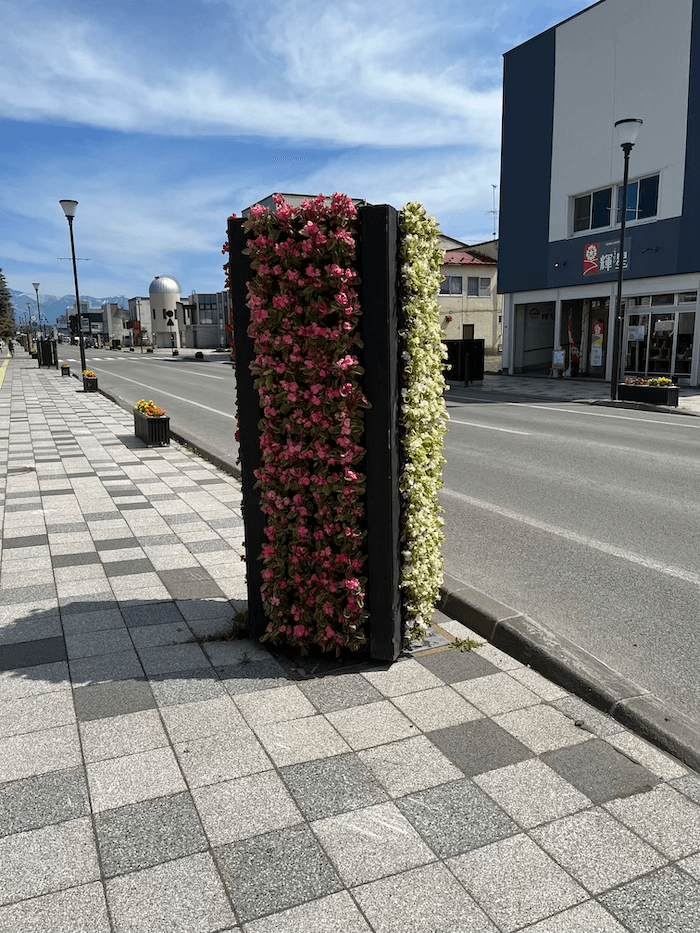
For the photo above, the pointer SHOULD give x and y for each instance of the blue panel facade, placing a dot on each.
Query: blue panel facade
(526, 164)
(527, 260)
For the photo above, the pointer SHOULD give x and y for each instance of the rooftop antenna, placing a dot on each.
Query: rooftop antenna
(494, 210)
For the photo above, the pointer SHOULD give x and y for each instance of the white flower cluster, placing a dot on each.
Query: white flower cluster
(423, 419)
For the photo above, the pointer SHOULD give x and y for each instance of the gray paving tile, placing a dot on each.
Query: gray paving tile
(437, 708)
(584, 715)
(542, 728)
(245, 807)
(666, 901)
(39, 752)
(190, 721)
(677, 834)
(365, 845)
(117, 544)
(143, 834)
(456, 817)
(168, 658)
(31, 540)
(588, 917)
(400, 677)
(278, 705)
(182, 896)
(32, 653)
(496, 693)
(43, 799)
(515, 882)
(190, 583)
(123, 568)
(600, 771)
(47, 859)
(34, 714)
(193, 609)
(186, 687)
(122, 735)
(645, 754)
(116, 698)
(119, 665)
(104, 641)
(329, 786)
(336, 913)
(479, 746)
(221, 757)
(531, 792)
(453, 666)
(75, 560)
(118, 782)
(423, 900)
(339, 691)
(409, 765)
(252, 676)
(297, 740)
(690, 786)
(597, 850)
(155, 613)
(77, 910)
(152, 636)
(291, 868)
(372, 724)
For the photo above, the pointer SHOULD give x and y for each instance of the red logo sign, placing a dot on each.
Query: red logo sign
(590, 259)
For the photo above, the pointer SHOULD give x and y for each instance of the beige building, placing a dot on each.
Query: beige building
(469, 300)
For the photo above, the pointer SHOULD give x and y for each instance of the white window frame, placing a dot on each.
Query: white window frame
(615, 194)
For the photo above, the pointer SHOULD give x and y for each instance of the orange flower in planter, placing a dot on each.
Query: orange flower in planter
(88, 374)
(149, 408)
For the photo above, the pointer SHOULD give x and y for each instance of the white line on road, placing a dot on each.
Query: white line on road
(610, 549)
(189, 401)
(488, 427)
(180, 368)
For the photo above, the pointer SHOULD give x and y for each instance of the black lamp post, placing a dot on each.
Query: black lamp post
(626, 131)
(35, 286)
(69, 209)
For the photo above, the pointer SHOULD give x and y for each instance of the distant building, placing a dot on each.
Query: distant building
(206, 316)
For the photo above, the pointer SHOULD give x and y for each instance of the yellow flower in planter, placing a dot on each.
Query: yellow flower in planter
(149, 408)
(88, 374)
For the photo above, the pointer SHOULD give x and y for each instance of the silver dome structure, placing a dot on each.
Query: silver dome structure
(164, 285)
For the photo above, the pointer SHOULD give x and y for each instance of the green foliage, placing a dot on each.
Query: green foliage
(466, 644)
(8, 328)
(423, 419)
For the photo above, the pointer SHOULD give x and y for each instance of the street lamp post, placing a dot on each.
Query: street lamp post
(69, 209)
(626, 131)
(35, 286)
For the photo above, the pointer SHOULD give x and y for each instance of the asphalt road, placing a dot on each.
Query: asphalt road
(585, 519)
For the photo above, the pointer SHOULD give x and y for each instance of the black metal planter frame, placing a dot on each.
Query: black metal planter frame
(154, 432)
(377, 268)
(652, 395)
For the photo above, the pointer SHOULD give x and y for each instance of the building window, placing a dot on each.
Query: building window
(642, 199)
(451, 285)
(478, 287)
(594, 210)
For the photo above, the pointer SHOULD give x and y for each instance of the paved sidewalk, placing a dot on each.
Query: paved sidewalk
(152, 780)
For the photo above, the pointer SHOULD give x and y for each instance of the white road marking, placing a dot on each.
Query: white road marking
(487, 427)
(178, 397)
(575, 538)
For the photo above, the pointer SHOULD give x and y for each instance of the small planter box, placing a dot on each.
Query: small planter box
(154, 432)
(90, 383)
(149, 349)
(65, 369)
(652, 395)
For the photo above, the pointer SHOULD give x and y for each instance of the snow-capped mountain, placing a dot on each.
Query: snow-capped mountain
(53, 307)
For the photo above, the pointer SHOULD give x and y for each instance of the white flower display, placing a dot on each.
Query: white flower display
(423, 419)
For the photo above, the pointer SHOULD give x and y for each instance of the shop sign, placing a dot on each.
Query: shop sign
(605, 257)
(636, 332)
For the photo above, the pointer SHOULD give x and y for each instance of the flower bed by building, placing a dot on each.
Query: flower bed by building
(655, 391)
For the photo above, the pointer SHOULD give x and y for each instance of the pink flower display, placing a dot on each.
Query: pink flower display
(304, 324)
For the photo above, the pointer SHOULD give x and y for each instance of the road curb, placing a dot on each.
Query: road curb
(572, 667)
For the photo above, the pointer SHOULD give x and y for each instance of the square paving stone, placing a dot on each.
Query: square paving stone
(191, 721)
(330, 786)
(369, 844)
(39, 752)
(436, 708)
(121, 568)
(676, 832)
(423, 900)
(118, 782)
(597, 850)
(278, 705)
(479, 746)
(154, 613)
(35, 714)
(599, 771)
(339, 691)
(116, 698)
(516, 882)
(453, 666)
(245, 807)
(119, 665)
(43, 799)
(456, 817)
(372, 724)
(400, 677)
(91, 644)
(76, 910)
(542, 728)
(588, 917)
(290, 869)
(122, 735)
(409, 765)
(252, 676)
(182, 896)
(336, 913)
(47, 859)
(164, 659)
(531, 792)
(297, 740)
(221, 757)
(143, 834)
(666, 901)
(32, 653)
(186, 686)
(190, 583)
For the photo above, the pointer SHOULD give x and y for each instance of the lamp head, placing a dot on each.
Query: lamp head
(35, 286)
(69, 208)
(627, 131)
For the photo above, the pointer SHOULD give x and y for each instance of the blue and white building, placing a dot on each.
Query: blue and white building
(561, 180)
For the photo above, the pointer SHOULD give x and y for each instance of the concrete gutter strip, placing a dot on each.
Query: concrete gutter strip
(573, 668)
(553, 656)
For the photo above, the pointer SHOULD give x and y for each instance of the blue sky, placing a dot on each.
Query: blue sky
(162, 117)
